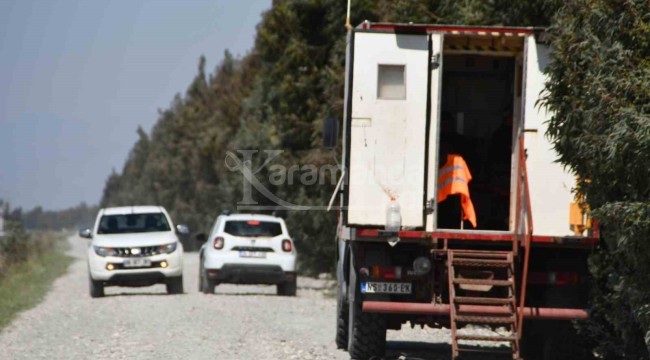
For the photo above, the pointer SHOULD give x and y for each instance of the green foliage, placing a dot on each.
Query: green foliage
(18, 246)
(599, 90)
(75, 217)
(14, 246)
(275, 98)
(24, 284)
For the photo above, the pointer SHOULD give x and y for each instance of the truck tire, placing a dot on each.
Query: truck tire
(565, 344)
(367, 334)
(342, 319)
(367, 331)
(175, 285)
(553, 341)
(287, 288)
(96, 288)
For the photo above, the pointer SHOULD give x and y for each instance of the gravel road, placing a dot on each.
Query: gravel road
(238, 322)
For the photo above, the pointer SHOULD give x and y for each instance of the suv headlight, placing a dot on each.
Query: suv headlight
(104, 251)
(166, 249)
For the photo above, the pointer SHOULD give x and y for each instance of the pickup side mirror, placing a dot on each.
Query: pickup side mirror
(182, 229)
(330, 131)
(201, 237)
(85, 233)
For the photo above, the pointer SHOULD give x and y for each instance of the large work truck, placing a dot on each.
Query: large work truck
(508, 249)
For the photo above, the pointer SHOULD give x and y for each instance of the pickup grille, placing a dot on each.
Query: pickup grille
(143, 251)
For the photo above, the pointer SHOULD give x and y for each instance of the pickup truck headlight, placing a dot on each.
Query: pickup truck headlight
(104, 251)
(167, 249)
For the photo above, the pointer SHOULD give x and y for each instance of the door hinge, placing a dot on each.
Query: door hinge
(429, 206)
(435, 61)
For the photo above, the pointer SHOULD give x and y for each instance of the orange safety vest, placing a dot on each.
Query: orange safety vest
(453, 179)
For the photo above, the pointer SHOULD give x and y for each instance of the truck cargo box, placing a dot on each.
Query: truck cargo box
(417, 95)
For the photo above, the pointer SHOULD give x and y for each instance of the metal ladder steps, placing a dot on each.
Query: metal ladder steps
(485, 269)
(486, 319)
(484, 301)
(503, 338)
(481, 262)
(483, 350)
(464, 281)
(482, 254)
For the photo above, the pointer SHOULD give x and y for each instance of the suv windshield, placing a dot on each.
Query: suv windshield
(133, 223)
(253, 228)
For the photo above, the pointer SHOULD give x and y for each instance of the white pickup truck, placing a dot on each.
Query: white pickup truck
(134, 246)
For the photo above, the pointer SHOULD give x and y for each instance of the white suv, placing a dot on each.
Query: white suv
(134, 246)
(248, 249)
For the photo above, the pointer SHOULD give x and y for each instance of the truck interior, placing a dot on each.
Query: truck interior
(481, 93)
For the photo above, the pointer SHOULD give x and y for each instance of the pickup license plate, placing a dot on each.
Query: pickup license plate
(138, 262)
(252, 254)
(385, 288)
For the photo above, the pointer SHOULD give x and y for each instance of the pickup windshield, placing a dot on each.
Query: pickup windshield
(253, 228)
(133, 223)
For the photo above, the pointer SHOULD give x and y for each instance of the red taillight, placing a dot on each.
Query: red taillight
(565, 278)
(218, 243)
(286, 245)
(553, 278)
(386, 272)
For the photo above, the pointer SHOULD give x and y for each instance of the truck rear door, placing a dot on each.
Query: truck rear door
(391, 126)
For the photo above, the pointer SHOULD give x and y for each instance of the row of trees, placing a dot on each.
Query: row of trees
(277, 96)
(75, 217)
(18, 246)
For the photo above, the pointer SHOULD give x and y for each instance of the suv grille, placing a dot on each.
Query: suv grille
(143, 251)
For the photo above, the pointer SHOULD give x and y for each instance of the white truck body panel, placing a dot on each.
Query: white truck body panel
(550, 184)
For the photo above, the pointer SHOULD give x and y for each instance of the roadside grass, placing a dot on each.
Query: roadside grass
(25, 284)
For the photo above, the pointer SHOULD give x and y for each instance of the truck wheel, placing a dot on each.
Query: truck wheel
(287, 288)
(531, 344)
(367, 331)
(565, 344)
(342, 320)
(96, 288)
(175, 285)
(367, 334)
(553, 341)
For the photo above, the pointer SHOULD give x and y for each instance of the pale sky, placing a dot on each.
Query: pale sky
(78, 77)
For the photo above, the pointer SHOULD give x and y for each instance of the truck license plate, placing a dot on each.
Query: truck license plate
(142, 262)
(385, 288)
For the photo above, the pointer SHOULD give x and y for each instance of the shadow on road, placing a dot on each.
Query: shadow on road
(417, 350)
(138, 294)
(244, 294)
